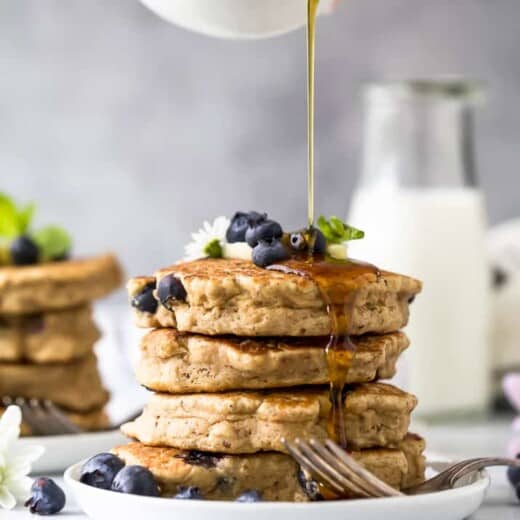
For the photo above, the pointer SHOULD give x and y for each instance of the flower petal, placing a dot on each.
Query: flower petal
(10, 426)
(20, 488)
(7, 500)
(511, 386)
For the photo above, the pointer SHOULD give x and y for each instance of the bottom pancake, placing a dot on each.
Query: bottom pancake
(375, 415)
(74, 386)
(276, 476)
(90, 421)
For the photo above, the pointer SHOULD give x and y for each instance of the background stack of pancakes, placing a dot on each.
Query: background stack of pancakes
(47, 335)
(237, 362)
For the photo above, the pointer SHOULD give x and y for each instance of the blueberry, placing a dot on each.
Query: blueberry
(320, 242)
(188, 493)
(254, 218)
(24, 251)
(513, 474)
(267, 230)
(99, 471)
(236, 232)
(309, 486)
(266, 253)
(47, 498)
(145, 301)
(250, 496)
(170, 288)
(297, 241)
(136, 480)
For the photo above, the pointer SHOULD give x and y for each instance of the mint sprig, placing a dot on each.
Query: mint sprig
(14, 220)
(53, 242)
(337, 232)
(213, 249)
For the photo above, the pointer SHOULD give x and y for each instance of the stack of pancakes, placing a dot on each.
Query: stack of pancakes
(237, 362)
(47, 335)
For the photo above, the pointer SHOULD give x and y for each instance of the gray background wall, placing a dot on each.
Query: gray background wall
(130, 131)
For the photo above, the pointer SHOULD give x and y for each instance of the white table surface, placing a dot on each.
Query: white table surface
(457, 440)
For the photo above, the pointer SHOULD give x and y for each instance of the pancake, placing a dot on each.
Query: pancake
(230, 296)
(89, 421)
(176, 362)
(51, 337)
(57, 285)
(275, 476)
(75, 386)
(376, 414)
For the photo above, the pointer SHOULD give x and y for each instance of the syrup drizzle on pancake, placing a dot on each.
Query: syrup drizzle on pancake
(338, 282)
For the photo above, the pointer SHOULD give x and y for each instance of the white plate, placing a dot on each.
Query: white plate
(454, 504)
(63, 450)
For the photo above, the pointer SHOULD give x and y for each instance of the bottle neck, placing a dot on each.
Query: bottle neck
(419, 143)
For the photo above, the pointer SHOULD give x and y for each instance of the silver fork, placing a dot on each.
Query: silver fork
(44, 418)
(340, 473)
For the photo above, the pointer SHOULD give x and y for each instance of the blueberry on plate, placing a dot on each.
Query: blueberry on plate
(47, 498)
(251, 495)
(266, 230)
(24, 251)
(236, 232)
(99, 471)
(267, 253)
(188, 493)
(136, 480)
(145, 301)
(170, 288)
(513, 474)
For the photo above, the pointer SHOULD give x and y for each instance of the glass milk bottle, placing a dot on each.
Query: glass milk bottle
(423, 214)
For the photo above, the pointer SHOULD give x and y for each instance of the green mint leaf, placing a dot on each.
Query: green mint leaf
(353, 233)
(213, 249)
(336, 231)
(53, 242)
(9, 225)
(25, 216)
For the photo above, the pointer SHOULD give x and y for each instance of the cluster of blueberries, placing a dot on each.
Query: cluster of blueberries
(513, 474)
(24, 251)
(265, 237)
(107, 471)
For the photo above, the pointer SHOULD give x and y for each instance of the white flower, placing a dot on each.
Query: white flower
(15, 461)
(208, 240)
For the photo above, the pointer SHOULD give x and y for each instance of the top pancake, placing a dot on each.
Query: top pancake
(230, 296)
(57, 285)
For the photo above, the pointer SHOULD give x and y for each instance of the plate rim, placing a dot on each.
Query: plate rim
(480, 485)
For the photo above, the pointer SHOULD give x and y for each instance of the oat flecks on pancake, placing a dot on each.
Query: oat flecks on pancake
(176, 362)
(274, 475)
(56, 285)
(75, 386)
(228, 296)
(376, 414)
(51, 337)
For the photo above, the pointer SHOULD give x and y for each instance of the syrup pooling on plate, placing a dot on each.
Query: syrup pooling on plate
(338, 282)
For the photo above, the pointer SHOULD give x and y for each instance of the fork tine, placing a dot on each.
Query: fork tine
(368, 488)
(48, 425)
(469, 466)
(361, 471)
(29, 416)
(312, 469)
(326, 467)
(61, 421)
